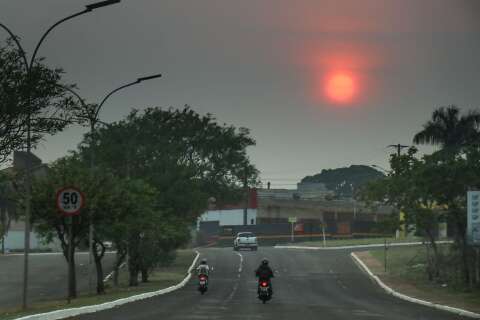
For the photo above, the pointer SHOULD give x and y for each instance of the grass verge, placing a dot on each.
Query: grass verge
(159, 279)
(406, 273)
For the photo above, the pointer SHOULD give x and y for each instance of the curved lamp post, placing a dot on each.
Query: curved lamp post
(94, 119)
(28, 177)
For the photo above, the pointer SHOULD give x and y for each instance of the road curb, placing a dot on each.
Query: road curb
(360, 246)
(65, 313)
(394, 293)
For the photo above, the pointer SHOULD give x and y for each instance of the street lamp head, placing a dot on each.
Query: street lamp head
(149, 77)
(101, 4)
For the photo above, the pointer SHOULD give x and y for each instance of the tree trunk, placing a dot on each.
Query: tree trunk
(144, 275)
(461, 232)
(121, 255)
(435, 259)
(133, 271)
(3, 228)
(98, 255)
(72, 287)
(100, 284)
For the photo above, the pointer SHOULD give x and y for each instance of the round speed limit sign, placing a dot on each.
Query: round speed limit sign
(69, 201)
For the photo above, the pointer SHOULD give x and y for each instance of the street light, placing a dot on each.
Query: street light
(101, 4)
(28, 177)
(123, 87)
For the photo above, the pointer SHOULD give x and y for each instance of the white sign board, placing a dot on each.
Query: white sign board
(292, 219)
(473, 217)
(69, 201)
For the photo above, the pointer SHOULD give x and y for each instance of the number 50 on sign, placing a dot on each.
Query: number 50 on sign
(70, 201)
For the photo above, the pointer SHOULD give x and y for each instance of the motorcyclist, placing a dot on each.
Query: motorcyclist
(203, 268)
(264, 273)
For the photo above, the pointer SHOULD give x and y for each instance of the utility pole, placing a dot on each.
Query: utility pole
(28, 174)
(399, 148)
(245, 186)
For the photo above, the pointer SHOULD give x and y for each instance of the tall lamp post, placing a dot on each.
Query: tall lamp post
(93, 119)
(28, 177)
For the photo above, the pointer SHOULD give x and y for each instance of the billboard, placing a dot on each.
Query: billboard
(473, 217)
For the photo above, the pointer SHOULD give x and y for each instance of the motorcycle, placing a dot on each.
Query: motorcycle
(202, 283)
(264, 291)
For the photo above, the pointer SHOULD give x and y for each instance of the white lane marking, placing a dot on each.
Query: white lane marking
(394, 293)
(110, 275)
(358, 246)
(240, 267)
(72, 312)
(235, 287)
(50, 253)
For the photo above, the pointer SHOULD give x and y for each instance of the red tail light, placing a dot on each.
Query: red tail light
(203, 278)
(264, 284)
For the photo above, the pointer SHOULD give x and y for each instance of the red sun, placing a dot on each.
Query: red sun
(340, 87)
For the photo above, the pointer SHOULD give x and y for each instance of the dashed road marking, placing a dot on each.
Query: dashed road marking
(240, 267)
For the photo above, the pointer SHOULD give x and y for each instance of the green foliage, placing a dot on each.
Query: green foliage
(433, 188)
(39, 95)
(452, 131)
(344, 181)
(99, 190)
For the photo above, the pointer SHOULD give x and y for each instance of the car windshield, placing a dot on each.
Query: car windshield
(246, 234)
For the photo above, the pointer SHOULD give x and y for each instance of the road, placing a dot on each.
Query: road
(308, 285)
(48, 277)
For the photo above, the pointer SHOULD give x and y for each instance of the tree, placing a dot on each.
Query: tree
(408, 187)
(100, 193)
(344, 181)
(38, 98)
(186, 158)
(452, 131)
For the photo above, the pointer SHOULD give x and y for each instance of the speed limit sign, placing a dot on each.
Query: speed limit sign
(69, 201)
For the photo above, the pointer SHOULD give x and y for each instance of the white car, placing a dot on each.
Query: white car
(245, 240)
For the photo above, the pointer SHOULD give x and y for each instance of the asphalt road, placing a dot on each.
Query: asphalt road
(48, 277)
(308, 285)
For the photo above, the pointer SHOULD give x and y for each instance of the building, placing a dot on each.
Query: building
(13, 237)
(232, 214)
(304, 191)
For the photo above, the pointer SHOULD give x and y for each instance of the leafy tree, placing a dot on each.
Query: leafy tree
(39, 96)
(99, 191)
(408, 187)
(344, 181)
(186, 158)
(450, 130)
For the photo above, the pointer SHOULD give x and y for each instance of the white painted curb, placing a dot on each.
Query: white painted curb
(360, 246)
(65, 313)
(394, 293)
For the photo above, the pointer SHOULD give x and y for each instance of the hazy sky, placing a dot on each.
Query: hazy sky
(321, 84)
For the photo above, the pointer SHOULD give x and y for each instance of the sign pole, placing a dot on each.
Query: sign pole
(70, 259)
(292, 236)
(323, 232)
(477, 265)
(69, 202)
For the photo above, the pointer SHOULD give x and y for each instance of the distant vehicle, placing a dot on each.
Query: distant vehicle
(108, 244)
(245, 240)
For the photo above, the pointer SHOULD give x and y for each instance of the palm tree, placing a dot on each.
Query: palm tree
(450, 130)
